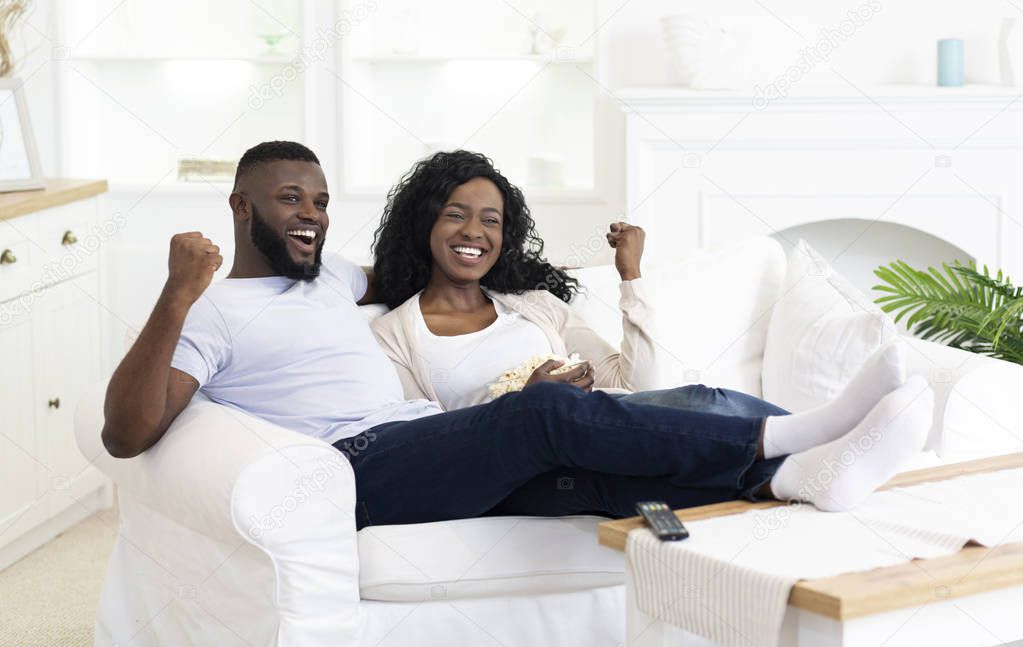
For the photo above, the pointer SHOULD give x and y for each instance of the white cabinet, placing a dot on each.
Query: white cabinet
(20, 485)
(50, 352)
(67, 361)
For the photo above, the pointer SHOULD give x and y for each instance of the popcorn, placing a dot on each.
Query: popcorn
(515, 379)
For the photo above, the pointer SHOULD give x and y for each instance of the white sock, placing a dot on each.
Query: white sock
(882, 373)
(840, 474)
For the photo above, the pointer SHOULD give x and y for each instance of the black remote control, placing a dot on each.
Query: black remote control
(662, 521)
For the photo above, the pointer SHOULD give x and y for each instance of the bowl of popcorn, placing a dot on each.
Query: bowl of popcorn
(515, 379)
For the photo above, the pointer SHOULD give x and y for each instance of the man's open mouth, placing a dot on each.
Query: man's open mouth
(304, 239)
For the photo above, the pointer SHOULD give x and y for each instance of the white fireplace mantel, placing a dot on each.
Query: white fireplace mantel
(705, 168)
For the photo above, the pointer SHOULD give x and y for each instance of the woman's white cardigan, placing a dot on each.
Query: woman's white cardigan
(632, 369)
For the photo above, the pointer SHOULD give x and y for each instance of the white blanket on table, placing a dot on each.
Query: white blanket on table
(730, 581)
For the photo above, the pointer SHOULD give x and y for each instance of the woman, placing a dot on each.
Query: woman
(459, 262)
(437, 340)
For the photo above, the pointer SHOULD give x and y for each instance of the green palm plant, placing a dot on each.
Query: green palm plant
(959, 306)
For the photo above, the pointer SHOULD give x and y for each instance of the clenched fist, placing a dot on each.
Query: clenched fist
(627, 241)
(193, 260)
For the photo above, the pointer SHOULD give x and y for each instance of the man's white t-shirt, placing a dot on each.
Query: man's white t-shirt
(296, 353)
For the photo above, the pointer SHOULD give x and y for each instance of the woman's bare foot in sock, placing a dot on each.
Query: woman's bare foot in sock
(882, 373)
(840, 474)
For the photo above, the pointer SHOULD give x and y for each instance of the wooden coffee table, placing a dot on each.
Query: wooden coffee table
(974, 597)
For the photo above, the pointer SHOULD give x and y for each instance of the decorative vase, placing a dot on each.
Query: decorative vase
(951, 62)
(702, 53)
(683, 38)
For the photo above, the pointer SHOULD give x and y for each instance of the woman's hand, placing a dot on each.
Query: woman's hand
(580, 376)
(627, 241)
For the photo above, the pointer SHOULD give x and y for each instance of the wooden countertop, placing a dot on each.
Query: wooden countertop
(58, 191)
(974, 569)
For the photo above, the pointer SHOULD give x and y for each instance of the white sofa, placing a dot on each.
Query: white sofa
(237, 532)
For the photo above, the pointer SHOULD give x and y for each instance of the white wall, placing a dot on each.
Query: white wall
(895, 46)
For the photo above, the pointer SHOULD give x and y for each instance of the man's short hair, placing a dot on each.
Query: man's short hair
(272, 152)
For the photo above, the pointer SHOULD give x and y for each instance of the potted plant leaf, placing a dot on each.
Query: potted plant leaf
(958, 305)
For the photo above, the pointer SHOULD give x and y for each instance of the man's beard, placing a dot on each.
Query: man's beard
(275, 248)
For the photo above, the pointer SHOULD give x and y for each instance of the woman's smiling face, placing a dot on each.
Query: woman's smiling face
(465, 241)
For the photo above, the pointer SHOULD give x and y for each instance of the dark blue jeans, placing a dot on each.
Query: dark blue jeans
(698, 397)
(567, 490)
(467, 463)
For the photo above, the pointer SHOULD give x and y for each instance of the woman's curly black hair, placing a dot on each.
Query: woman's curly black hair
(401, 244)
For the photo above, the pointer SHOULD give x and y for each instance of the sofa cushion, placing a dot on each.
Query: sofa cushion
(712, 307)
(484, 557)
(822, 331)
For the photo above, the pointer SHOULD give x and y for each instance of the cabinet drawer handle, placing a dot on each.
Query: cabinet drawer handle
(55, 403)
(8, 258)
(69, 238)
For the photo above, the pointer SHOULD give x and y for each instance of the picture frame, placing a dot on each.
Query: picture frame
(19, 158)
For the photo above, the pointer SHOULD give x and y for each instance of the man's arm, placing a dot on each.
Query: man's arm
(145, 394)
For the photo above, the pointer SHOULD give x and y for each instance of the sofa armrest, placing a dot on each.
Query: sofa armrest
(236, 478)
(193, 473)
(976, 411)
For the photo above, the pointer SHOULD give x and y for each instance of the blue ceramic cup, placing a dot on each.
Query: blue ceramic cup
(951, 62)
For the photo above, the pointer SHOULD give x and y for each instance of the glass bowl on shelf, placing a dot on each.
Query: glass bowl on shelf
(272, 40)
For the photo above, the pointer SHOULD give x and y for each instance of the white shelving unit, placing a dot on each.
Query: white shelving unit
(340, 80)
(123, 61)
(482, 82)
(273, 59)
(383, 59)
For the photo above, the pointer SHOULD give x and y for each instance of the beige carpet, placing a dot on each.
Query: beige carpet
(50, 596)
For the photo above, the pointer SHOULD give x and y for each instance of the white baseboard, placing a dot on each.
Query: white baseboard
(99, 499)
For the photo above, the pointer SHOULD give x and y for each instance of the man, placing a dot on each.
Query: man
(282, 338)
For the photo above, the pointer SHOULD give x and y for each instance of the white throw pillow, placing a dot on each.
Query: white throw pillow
(712, 310)
(597, 303)
(822, 330)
